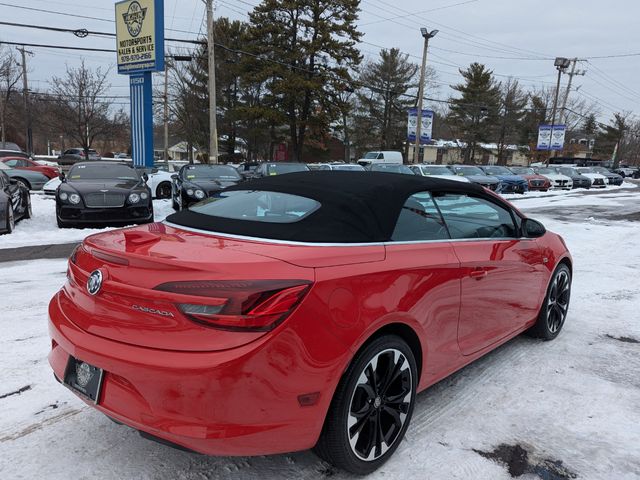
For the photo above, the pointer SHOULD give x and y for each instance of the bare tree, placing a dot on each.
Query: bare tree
(81, 104)
(10, 74)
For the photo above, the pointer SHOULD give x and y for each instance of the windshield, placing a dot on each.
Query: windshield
(547, 171)
(4, 167)
(601, 170)
(84, 171)
(522, 171)
(210, 172)
(465, 171)
(385, 167)
(282, 168)
(496, 170)
(373, 155)
(357, 168)
(570, 172)
(258, 206)
(436, 170)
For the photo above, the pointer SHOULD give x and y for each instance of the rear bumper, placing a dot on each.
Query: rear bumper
(242, 401)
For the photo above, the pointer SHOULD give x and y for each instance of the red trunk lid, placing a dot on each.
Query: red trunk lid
(134, 261)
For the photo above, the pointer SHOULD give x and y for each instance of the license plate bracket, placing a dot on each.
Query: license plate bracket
(83, 378)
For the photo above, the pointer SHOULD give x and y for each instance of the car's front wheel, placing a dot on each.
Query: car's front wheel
(371, 408)
(555, 307)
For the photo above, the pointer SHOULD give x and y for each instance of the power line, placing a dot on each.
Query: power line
(83, 32)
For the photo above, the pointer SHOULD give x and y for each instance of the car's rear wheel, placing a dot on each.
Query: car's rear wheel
(371, 408)
(555, 307)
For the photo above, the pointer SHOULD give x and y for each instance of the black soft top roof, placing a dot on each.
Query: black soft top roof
(356, 207)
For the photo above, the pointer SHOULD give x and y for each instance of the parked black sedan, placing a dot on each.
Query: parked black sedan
(103, 193)
(15, 203)
(194, 183)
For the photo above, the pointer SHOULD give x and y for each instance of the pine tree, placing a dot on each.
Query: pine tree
(512, 113)
(475, 112)
(382, 102)
(309, 48)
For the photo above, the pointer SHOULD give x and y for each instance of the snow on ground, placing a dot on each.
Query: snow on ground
(575, 400)
(43, 230)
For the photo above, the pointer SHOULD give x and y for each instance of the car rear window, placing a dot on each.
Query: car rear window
(258, 206)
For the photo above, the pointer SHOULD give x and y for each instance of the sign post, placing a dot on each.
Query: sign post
(140, 51)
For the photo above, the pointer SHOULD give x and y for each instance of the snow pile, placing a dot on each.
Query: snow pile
(42, 229)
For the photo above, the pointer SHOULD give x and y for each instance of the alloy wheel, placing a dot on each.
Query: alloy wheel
(379, 404)
(558, 301)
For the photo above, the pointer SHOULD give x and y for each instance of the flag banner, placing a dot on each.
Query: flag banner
(426, 128)
(544, 137)
(412, 124)
(557, 137)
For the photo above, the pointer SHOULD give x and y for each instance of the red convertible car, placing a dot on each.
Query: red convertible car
(302, 311)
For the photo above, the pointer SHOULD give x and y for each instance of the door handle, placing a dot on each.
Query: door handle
(478, 273)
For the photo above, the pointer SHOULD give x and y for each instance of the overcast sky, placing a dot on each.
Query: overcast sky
(516, 38)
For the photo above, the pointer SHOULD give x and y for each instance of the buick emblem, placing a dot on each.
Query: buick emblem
(83, 374)
(94, 283)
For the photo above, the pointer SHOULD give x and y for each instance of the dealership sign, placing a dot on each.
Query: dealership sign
(426, 127)
(140, 51)
(551, 137)
(140, 36)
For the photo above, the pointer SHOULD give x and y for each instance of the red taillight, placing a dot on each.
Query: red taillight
(258, 305)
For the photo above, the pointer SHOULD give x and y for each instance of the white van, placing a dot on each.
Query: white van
(383, 156)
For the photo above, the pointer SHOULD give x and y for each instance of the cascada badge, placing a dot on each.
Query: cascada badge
(134, 18)
(94, 283)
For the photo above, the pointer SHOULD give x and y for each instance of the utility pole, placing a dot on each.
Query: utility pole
(561, 64)
(571, 74)
(213, 126)
(426, 35)
(166, 112)
(25, 95)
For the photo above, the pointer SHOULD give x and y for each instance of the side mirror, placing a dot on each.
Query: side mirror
(532, 228)
(62, 177)
(13, 181)
(145, 177)
(174, 177)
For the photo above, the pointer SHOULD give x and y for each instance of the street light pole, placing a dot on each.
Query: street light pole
(426, 35)
(561, 64)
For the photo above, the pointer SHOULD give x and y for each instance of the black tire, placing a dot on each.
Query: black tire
(355, 393)
(28, 212)
(555, 306)
(163, 190)
(10, 222)
(63, 224)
